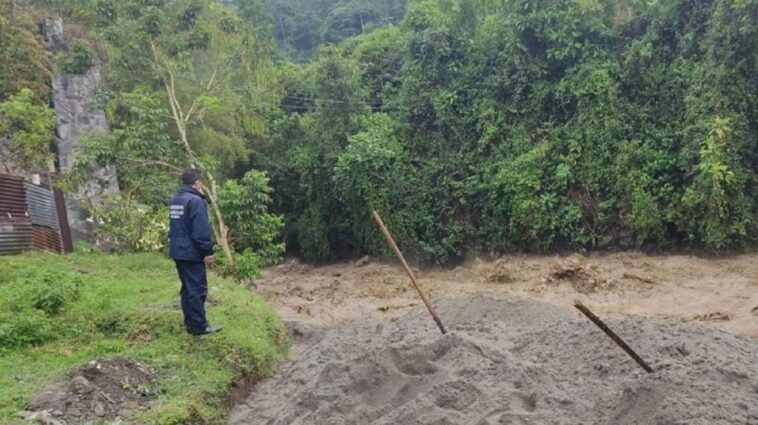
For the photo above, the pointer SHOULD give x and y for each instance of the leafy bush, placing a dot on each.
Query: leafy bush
(28, 128)
(718, 210)
(78, 59)
(369, 176)
(246, 268)
(33, 298)
(253, 231)
(130, 226)
(54, 292)
(25, 328)
(312, 235)
(24, 57)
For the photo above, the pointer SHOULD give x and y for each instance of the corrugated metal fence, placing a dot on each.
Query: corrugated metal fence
(31, 217)
(15, 226)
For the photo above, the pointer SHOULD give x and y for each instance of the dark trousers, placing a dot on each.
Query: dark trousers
(193, 294)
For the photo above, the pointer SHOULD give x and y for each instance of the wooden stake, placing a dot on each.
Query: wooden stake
(393, 245)
(596, 320)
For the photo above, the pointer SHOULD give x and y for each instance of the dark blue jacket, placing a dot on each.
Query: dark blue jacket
(190, 232)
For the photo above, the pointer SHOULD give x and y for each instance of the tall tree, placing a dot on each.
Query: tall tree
(202, 58)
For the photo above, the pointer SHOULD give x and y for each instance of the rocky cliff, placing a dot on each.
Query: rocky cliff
(77, 114)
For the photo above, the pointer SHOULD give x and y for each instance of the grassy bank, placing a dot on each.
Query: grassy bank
(57, 312)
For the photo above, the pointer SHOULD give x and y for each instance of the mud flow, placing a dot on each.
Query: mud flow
(366, 351)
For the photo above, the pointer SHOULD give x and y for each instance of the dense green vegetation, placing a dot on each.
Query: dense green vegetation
(25, 72)
(473, 126)
(300, 26)
(186, 84)
(25, 125)
(24, 59)
(526, 125)
(58, 312)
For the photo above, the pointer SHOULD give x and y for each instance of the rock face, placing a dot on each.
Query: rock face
(78, 115)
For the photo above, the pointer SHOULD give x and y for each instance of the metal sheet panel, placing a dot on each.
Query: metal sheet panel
(41, 202)
(60, 204)
(46, 239)
(15, 235)
(12, 197)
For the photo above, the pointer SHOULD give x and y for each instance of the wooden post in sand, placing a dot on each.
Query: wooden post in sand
(596, 320)
(393, 245)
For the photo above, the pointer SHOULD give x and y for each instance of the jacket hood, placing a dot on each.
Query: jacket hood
(189, 189)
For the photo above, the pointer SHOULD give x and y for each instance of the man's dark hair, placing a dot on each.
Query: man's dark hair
(190, 176)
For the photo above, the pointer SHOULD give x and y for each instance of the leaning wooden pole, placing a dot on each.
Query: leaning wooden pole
(393, 245)
(596, 320)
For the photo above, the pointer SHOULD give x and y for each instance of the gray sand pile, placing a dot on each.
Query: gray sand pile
(509, 360)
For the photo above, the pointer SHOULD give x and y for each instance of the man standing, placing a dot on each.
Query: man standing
(191, 247)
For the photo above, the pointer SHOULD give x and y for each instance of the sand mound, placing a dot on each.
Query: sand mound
(510, 360)
(105, 389)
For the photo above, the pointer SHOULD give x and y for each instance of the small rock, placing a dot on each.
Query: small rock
(125, 413)
(41, 417)
(626, 239)
(605, 242)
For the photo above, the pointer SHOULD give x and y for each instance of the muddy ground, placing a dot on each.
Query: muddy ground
(517, 353)
(720, 291)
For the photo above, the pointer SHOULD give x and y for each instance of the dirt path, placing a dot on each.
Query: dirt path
(722, 292)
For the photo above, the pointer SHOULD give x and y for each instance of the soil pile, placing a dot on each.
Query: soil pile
(511, 360)
(105, 389)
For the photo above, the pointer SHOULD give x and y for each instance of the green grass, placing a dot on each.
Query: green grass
(58, 312)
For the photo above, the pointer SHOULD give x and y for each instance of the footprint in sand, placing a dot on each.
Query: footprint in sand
(455, 395)
(520, 411)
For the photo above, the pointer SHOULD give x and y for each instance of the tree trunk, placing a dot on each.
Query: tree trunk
(220, 231)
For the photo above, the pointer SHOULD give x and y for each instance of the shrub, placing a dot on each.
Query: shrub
(28, 130)
(48, 291)
(25, 328)
(33, 298)
(130, 226)
(52, 295)
(253, 230)
(78, 59)
(247, 266)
